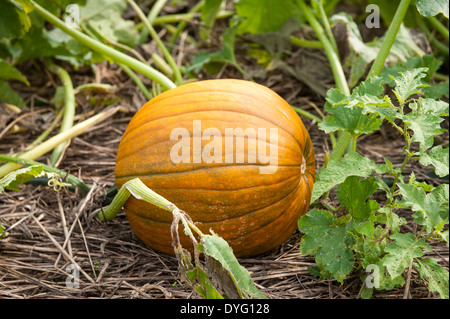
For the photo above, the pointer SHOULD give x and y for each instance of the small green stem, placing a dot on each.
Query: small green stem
(389, 38)
(338, 73)
(434, 42)
(335, 63)
(136, 80)
(439, 27)
(326, 24)
(158, 41)
(154, 12)
(305, 43)
(307, 114)
(99, 47)
(183, 24)
(69, 108)
(51, 143)
(70, 178)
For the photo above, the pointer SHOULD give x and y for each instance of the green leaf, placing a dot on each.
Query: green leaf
(8, 95)
(226, 55)
(353, 194)
(329, 242)
(436, 275)
(361, 55)
(208, 16)
(205, 287)
(105, 18)
(408, 83)
(437, 91)
(336, 172)
(430, 8)
(429, 212)
(427, 61)
(217, 248)
(8, 72)
(433, 107)
(14, 20)
(3, 234)
(20, 176)
(352, 120)
(401, 252)
(264, 15)
(425, 127)
(438, 157)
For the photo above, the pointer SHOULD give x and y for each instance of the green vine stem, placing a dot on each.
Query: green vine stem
(305, 43)
(389, 38)
(180, 27)
(155, 37)
(439, 27)
(69, 108)
(136, 80)
(101, 48)
(52, 142)
(154, 12)
(70, 178)
(345, 138)
(139, 190)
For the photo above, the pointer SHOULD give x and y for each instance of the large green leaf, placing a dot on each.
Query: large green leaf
(353, 194)
(328, 241)
(431, 209)
(14, 21)
(217, 248)
(336, 172)
(436, 275)
(438, 157)
(264, 15)
(401, 252)
(429, 8)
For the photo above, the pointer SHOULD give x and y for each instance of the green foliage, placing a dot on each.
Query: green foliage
(369, 233)
(20, 176)
(429, 8)
(264, 15)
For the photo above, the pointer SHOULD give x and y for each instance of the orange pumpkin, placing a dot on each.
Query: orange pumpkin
(209, 147)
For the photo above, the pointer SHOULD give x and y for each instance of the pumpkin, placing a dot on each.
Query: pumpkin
(210, 147)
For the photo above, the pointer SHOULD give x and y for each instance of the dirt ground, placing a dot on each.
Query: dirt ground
(115, 264)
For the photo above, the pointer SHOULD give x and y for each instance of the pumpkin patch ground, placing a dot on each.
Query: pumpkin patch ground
(50, 231)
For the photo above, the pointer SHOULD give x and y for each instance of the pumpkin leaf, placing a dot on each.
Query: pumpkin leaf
(408, 83)
(216, 247)
(436, 275)
(20, 176)
(431, 209)
(226, 55)
(328, 241)
(353, 194)
(204, 286)
(264, 15)
(401, 252)
(438, 157)
(424, 126)
(337, 171)
(430, 8)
